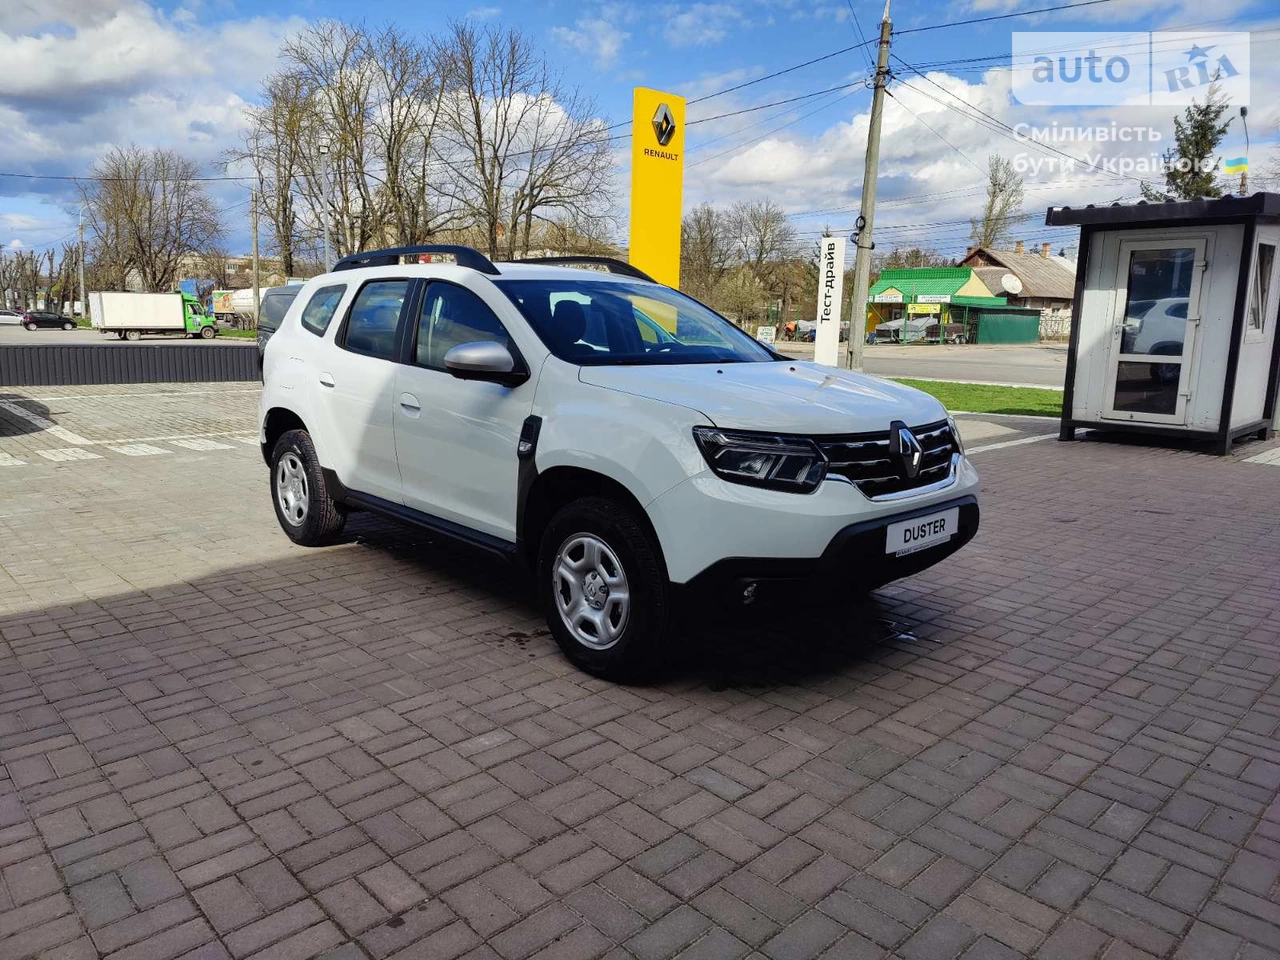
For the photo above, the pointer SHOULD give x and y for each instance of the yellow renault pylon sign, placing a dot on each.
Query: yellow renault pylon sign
(657, 183)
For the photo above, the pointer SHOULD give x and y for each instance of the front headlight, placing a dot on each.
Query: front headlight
(760, 460)
(955, 434)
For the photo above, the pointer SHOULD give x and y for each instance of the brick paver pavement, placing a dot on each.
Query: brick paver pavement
(216, 745)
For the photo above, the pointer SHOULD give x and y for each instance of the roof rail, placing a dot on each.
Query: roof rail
(390, 257)
(611, 264)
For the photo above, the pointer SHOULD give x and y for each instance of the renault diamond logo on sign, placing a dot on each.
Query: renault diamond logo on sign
(906, 449)
(664, 125)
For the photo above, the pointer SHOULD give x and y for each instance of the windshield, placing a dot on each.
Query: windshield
(604, 322)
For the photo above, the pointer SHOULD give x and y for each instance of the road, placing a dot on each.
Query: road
(14, 335)
(1041, 365)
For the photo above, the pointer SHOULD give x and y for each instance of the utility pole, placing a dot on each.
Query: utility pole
(1244, 174)
(84, 294)
(863, 237)
(257, 305)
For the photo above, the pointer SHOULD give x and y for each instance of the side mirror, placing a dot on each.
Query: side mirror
(485, 360)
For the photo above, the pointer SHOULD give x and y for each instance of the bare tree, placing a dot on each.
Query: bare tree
(706, 251)
(146, 209)
(518, 144)
(1003, 207)
(272, 147)
(766, 242)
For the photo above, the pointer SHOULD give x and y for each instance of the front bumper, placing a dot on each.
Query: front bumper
(706, 521)
(855, 559)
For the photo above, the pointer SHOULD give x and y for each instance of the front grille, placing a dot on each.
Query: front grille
(865, 459)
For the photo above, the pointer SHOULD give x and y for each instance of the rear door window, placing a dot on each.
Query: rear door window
(374, 318)
(321, 308)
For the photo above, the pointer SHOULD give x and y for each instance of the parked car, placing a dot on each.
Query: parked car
(534, 411)
(41, 319)
(10, 316)
(1159, 328)
(274, 304)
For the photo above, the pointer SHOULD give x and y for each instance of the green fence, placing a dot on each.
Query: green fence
(1009, 326)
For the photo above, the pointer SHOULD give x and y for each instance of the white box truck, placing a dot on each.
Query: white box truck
(130, 315)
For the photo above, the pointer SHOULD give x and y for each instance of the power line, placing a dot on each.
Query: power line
(777, 103)
(857, 26)
(1003, 16)
(767, 133)
(778, 73)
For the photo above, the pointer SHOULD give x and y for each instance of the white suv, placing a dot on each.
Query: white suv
(627, 444)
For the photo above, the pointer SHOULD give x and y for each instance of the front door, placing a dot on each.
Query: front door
(456, 439)
(1154, 322)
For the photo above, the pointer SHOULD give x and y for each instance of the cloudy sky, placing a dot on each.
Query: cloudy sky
(80, 75)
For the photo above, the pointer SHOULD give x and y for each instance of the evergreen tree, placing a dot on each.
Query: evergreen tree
(1190, 172)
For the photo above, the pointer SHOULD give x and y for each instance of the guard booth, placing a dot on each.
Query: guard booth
(1173, 329)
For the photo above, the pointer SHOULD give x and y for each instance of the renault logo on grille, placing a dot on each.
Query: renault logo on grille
(664, 125)
(906, 449)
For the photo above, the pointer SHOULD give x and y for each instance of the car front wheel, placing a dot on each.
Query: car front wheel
(68, 325)
(29, 326)
(207, 333)
(306, 511)
(604, 590)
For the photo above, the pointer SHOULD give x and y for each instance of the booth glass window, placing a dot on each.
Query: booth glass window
(1156, 310)
(1260, 296)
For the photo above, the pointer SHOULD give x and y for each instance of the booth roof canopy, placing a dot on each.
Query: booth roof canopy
(1228, 207)
(924, 281)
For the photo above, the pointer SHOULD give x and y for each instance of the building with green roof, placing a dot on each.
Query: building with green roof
(929, 299)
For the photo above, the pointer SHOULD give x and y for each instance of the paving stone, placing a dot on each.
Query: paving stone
(1060, 748)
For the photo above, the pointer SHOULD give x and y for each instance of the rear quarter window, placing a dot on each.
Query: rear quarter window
(321, 308)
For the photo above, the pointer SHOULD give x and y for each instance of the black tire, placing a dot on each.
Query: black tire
(29, 326)
(324, 518)
(208, 333)
(68, 326)
(639, 652)
(133, 336)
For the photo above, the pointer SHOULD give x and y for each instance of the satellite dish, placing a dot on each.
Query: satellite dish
(1011, 284)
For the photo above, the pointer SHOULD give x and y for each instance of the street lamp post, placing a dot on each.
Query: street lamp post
(325, 203)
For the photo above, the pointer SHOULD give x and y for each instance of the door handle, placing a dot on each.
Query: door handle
(326, 380)
(410, 404)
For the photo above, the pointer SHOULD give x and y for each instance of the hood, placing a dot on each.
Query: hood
(787, 397)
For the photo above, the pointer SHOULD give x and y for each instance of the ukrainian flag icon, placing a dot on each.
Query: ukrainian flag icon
(1238, 165)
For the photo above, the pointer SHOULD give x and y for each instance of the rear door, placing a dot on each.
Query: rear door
(355, 377)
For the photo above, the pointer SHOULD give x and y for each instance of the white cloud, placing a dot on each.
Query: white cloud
(15, 244)
(701, 23)
(484, 13)
(599, 36)
(83, 75)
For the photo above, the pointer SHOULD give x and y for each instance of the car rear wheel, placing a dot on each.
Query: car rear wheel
(306, 511)
(604, 590)
(29, 325)
(133, 336)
